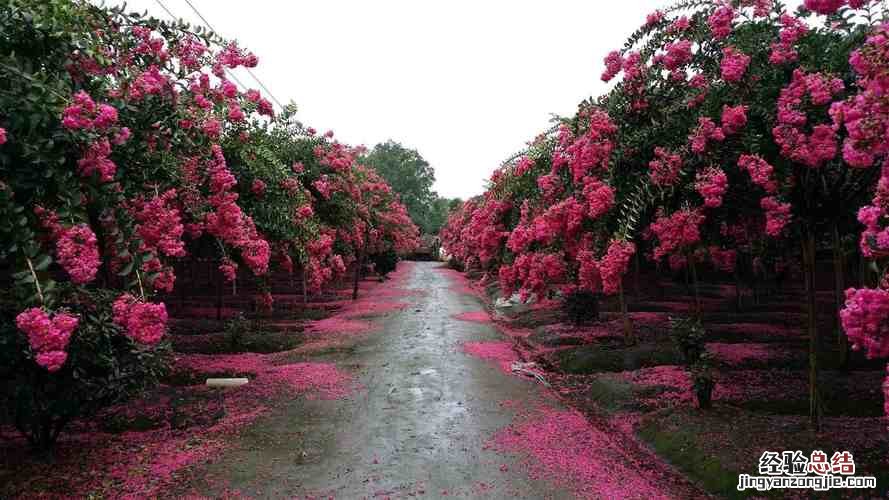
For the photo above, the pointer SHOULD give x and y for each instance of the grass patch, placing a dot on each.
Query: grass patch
(615, 357)
(674, 440)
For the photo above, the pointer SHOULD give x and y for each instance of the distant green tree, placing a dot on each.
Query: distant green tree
(411, 176)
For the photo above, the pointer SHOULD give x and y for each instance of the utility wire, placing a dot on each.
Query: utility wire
(207, 23)
(227, 72)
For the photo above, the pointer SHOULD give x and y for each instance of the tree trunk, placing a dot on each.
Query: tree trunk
(305, 288)
(218, 296)
(839, 278)
(738, 305)
(636, 271)
(808, 245)
(694, 284)
(359, 264)
(629, 337)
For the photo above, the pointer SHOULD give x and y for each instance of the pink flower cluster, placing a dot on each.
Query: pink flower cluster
(95, 160)
(865, 319)
(720, 21)
(734, 64)
(654, 18)
(827, 7)
(734, 118)
(593, 149)
(159, 225)
(809, 149)
(706, 132)
(777, 215)
(866, 115)
(47, 337)
(2, 136)
(229, 223)
(676, 232)
(143, 322)
(875, 237)
(711, 184)
(760, 172)
(614, 264)
(84, 114)
(258, 188)
(613, 64)
(792, 30)
(599, 197)
(229, 269)
(664, 168)
(534, 272)
(77, 251)
(677, 55)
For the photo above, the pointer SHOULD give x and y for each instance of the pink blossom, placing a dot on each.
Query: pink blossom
(821, 145)
(143, 322)
(599, 197)
(95, 161)
(678, 54)
(51, 360)
(229, 270)
(258, 188)
(824, 7)
(777, 215)
(47, 337)
(305, 211)
(760, 172)
(654, 18)
(665, 167)
(613, 64)
(784, 51)
(677, 232)
(720, 21)
(159, 225)
(734, 64)
(865, 319)
(213, 128)
(712, 184)
(706, 132)
(2, 136)
(106, 117)
(734, 119)
(614, 264)
(77, 251)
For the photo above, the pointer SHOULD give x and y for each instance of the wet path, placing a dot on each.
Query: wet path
(417, 428)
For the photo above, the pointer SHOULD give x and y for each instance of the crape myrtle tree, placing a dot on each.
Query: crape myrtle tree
(123, 148)
(739, 135)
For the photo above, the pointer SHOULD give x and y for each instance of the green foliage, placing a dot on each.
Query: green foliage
(702, 379)
(411, 176)
(688, 336)
(384, 262)
(104, 367)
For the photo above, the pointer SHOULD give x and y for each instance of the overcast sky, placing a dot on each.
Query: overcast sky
(466, 83)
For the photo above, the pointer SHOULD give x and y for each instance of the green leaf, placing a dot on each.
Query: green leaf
(43, 263)
(127, 269)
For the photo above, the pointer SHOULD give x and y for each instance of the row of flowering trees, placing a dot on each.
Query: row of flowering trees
(741, 137)
(123, 146)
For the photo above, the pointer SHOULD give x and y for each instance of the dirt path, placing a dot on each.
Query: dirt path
(418, 427)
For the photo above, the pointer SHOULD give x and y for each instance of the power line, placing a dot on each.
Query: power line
(227, 72)
(207, 23)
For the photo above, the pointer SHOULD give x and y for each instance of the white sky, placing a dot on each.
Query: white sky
(466, 83)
